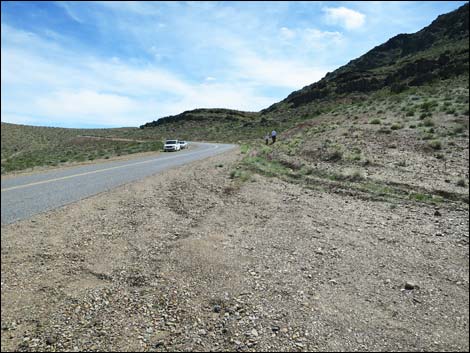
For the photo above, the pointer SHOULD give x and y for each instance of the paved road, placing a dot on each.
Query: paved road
(25, 196)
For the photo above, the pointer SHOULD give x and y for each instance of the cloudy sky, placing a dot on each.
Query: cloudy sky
(113, 64)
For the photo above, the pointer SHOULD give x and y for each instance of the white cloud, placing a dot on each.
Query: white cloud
(321, 39)
(69, 11)
(63, 83)
(84, 103)
(287, 33)
(279, 73)
(344, 17)
(75, 91)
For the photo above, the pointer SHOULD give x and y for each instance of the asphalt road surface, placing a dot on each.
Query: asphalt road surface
(24, 196)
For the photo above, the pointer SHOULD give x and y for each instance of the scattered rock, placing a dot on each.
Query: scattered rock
(411, 286)
(50, 340)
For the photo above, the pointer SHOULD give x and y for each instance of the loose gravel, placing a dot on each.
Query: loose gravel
(192, 260)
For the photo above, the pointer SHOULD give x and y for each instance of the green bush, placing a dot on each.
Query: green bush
(458, 130)
(384, 130)
(424, 115)
(428, 106)
(396, 127)
(435, 144)
(375, 122)
(244, 149)
(428, 122)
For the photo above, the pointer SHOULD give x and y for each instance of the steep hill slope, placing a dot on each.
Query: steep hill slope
(438, 51)
(407, 61)
(391, 125)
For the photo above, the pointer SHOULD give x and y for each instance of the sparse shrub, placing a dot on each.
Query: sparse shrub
(428, 122)
(333, 155)
(244, 149)
(384, 130)
(396, 127)
(428, 137)
(410, 113)
(461, 182)
(422, 116)
(428, 106)
(375, 122)
(450, 111)
(350, 175)
(412, 126)
(355, 157)
(435, 144)
(243, 175)
(458, 130)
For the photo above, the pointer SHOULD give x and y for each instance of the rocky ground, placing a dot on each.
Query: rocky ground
(192, 260)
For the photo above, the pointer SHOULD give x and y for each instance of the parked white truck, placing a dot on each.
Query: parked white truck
(171, 145)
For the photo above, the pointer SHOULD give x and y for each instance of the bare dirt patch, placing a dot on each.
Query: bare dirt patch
(190, 259)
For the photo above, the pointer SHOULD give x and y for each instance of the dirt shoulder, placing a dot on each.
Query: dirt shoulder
(191, 260)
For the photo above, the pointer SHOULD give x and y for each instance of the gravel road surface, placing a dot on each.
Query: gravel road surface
(24, 196)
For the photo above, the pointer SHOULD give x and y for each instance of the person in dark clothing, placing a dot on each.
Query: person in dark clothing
(266, 138)
(273, 135)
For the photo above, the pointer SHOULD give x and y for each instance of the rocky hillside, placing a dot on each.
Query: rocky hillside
(407, 61)
(439, 51)
(198, 115)
(391, 125)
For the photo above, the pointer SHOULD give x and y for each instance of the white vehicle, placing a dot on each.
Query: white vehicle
(171, 145)
(183, 145)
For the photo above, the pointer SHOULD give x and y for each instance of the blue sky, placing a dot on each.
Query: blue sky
(114, 64)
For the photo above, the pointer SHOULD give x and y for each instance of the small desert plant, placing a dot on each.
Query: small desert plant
(384, 130)
(244, 148)
(428, 122)
(461, 182)
(375, 122)
(424, 115)
(396, 127)
(458, 130)
(435, 144)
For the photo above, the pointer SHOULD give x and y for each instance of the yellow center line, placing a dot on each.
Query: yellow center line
(88, 173)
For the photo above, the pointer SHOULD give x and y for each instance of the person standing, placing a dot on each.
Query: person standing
(273, 135)
(266, 138)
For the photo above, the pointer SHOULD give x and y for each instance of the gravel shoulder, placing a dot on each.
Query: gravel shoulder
(192, 260)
